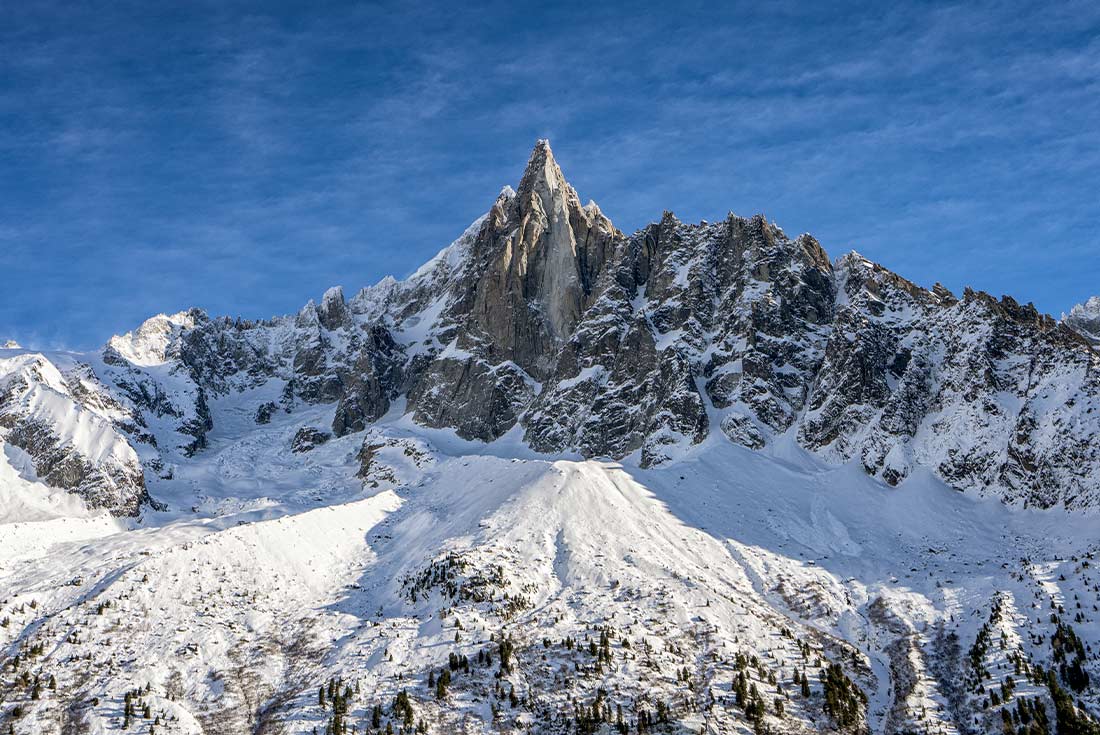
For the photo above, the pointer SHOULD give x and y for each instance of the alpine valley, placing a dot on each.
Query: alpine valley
(697, 479)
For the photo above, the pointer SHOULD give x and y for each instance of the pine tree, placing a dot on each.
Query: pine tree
(506, 649)
(740, 689)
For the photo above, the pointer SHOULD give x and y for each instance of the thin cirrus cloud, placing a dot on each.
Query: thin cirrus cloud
(242, 157)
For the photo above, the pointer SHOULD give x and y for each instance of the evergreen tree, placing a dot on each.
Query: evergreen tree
(376, 717)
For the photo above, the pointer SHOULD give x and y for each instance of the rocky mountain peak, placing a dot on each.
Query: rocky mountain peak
(540, 253)
(1089, 309)
(944, 294)
(542, 175)
(156, 340)
(1085, 319)
(333, 312)
(528, 275)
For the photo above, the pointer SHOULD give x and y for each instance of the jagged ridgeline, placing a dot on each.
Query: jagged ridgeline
(545, 320)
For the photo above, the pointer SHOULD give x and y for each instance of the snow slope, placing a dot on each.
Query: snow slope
(229, 616)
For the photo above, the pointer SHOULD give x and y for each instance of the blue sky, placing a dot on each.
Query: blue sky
(244, 157)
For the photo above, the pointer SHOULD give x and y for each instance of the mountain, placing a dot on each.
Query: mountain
(544, 319)
(1085, 319)
(698, 477)
(64, 428)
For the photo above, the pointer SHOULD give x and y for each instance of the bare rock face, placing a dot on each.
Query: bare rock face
(529, 275)
(690, 325)
(370, 382)
(539, 255)
(333, 312)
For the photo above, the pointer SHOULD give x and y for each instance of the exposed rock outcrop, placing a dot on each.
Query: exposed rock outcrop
(308, 438)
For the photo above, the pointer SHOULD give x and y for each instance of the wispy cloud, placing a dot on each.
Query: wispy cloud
(242, 157)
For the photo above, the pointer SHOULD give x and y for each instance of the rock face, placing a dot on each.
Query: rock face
(683, 333)
(546, 321)
(529, 275)
(991, 396)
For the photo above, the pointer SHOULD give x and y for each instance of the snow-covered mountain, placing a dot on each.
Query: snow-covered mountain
(1085, 319)
(62, 427)
(697, 478)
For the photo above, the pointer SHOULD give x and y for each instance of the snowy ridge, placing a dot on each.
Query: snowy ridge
(154, 342)
(1085, 319)
(47, 398)
(63, 430)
